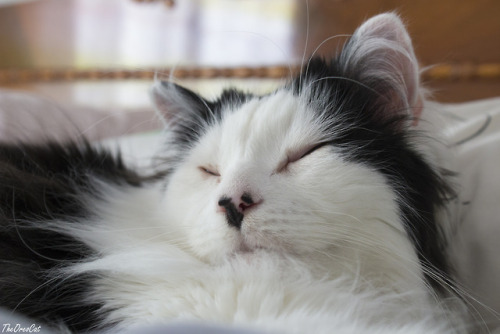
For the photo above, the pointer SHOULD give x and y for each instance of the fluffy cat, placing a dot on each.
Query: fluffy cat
(308, 210)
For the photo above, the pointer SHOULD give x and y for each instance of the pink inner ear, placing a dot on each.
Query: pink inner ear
(170, 102)
(383, 44)
(162, 103)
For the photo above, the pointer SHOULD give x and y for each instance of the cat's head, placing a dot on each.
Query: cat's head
(324, 165)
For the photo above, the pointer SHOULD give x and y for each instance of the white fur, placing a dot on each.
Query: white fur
(324, 250)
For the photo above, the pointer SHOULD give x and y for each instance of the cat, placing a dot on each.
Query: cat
(307, 210)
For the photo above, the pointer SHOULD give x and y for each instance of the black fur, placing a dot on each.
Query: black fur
(39, 183)
(189, 130)
(233, 216)
(375, 134)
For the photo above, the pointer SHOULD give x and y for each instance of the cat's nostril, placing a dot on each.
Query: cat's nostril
(244, 206)
(247, 202)
(246, 199)
(224, 201)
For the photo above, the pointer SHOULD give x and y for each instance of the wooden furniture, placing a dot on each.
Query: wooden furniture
(458, 42)
(461, 38)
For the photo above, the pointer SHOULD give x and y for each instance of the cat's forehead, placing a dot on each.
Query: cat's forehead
(278, 121)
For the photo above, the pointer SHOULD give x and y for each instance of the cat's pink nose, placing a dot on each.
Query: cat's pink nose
(235, 207)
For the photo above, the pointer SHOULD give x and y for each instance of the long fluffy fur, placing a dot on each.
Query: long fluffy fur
(335, 205)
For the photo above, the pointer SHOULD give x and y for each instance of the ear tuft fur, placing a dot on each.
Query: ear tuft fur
(381, 55)
(175, 103)
(185, 113)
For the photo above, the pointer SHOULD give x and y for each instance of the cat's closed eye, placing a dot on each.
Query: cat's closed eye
(210, 171)
(298, 155)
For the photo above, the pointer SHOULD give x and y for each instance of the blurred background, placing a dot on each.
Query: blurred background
(99, 43)
(126, 33)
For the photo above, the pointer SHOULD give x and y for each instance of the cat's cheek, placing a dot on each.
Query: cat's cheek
(192, 210)
(212, 240)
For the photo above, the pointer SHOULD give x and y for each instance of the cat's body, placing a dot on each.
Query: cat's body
(306, 210)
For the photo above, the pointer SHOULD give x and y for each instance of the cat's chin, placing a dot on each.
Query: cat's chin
(249, 245)
(250, 255)
(243, 246)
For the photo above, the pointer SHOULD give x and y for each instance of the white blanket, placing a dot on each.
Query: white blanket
(475, 127)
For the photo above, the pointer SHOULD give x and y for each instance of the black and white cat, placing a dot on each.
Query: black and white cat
(313, 209)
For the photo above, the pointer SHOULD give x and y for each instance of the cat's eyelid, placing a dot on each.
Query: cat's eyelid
(297, 155)
(304, 152)
(209, 170)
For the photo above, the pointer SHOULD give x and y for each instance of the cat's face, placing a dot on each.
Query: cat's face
(324, 165)
(265, 176)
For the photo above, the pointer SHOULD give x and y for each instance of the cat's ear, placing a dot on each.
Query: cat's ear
(177, 105)
(381, 55)
(184, 113)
